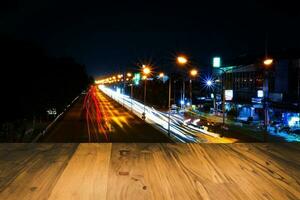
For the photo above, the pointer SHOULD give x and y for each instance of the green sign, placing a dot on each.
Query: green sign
(136, 78)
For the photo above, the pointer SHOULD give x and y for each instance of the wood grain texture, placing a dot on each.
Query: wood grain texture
(150, 171)
(86, 174)
(30, 171)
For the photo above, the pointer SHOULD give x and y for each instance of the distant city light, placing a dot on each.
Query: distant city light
(182, 102)
(293, 121)
(129, 74)
(161, 75)
(216, 62)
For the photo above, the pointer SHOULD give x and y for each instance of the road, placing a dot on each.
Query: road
(97, 118)
(179, 130)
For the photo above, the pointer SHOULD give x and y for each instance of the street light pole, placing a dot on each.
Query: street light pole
(183, 91)
(131, 95)
(169, 106)
(146, 71)
(191, 98)
(145, 93)
(268, 62)
(223, 102)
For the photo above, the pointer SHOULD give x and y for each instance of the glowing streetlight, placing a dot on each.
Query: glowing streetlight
(129, 74)
(182, 60)
(209, 83)
(146, 70)
(268, 61)
(193, 72)
(120, 76)
(161, 75)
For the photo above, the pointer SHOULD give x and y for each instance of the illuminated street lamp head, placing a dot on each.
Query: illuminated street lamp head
(120, 76)
(129, 74)
(209, 83)
(182, 60)
(161, 75)
(268, 61)
(146, 70)
(193, 72)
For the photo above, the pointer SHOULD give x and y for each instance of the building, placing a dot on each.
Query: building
(248, 86)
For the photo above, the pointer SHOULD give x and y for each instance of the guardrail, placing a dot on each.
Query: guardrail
(42, 133)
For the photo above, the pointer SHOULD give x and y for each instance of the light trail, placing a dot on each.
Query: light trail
(158, 119)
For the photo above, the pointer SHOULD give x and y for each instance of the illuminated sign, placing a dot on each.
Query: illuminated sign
(216, 62)
(228, 95)
(137, 78)
(260, 93)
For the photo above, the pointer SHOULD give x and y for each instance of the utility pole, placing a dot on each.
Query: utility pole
(266, 104)
(224, 100)
(169, 106)
(145, 93)
(191, 93)
(131, 95)
(183, 91)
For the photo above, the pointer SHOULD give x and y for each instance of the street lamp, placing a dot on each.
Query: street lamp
(146, 71)
(129, 74)
(182, 60)
(193, 73)
(267, 63)
(161, 75)
(209, 83)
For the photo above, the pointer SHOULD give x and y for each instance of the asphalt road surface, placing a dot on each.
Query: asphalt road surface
(96, 118)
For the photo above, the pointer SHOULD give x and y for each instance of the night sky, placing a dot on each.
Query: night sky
(107, 37)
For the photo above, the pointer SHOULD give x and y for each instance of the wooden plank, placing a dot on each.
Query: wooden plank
(33, 169)
(86, 175)
(150, 171)
(155, 171)
(275, 178)
(179, 171)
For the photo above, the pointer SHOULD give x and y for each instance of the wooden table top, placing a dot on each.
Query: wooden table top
(150, 171)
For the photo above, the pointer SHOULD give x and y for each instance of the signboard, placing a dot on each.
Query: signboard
(228, 95)
(136, 78)
(216, 62)
(260, 93)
